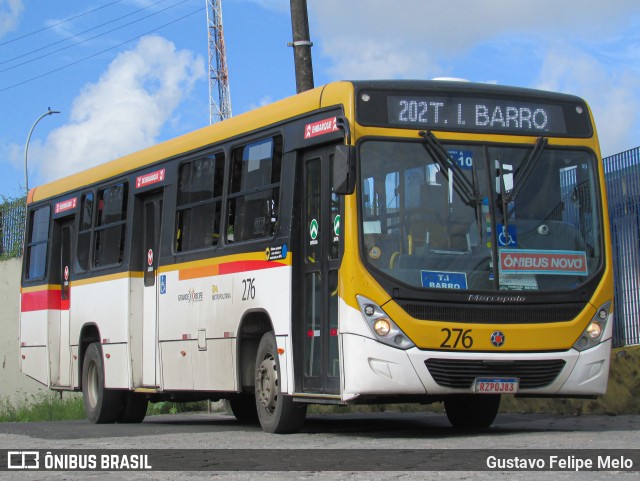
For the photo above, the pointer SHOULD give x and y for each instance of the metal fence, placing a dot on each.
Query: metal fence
(622, 174)
(12, 212)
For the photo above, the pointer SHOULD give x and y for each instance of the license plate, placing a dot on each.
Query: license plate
(484, 385)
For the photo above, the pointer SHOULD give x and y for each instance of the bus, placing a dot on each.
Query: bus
(362, 242)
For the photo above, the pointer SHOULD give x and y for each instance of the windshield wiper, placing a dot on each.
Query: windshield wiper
(523, 173)
(468, 190)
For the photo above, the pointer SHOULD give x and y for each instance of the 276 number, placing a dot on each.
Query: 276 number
(248, 289)
(458, 336)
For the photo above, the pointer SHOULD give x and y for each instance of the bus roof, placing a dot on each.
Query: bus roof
(324, 96)
(193, 141)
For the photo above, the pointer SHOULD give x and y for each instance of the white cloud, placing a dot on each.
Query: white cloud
(612, 95)
(124, 111)
(10, 11)
(585, 48)
(399, 33)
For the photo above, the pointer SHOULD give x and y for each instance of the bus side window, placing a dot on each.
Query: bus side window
(110, 225)
(84, 233)
(38, 243)
(199, 203)
(254, 197)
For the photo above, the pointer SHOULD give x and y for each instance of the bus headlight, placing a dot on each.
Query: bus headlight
(381, 325)
(592, 335)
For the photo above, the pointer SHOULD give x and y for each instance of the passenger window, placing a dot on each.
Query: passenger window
(199, 203)
(84, 233)
(110, 225)
(38, 243)
(254, 199)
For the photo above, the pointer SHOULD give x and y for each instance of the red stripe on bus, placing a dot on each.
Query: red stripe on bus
(244, 266)
(41, 300)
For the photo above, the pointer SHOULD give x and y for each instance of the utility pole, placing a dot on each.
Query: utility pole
(301, 45)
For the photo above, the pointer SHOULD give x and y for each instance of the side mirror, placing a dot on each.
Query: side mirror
(343, 170)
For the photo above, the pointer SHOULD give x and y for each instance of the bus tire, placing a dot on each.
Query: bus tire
(134, 408)
(468, 411)
(101, 405)
(277, 412)
(244, 409)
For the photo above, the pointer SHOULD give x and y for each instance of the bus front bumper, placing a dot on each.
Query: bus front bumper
(372, 368)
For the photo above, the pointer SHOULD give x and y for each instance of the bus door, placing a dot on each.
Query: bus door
(150, 254)
(320, 242)
(59, 325)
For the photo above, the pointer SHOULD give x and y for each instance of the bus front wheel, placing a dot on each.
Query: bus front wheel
(276, 411)
(470, 411)
(101, 405)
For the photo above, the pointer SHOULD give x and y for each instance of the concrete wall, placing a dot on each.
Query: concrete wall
(14, 385)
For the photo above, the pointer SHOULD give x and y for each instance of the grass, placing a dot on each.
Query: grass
(623, 397)
(44, 407)
(54, 407)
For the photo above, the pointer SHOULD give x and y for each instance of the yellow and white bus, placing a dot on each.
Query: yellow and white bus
(362, 242)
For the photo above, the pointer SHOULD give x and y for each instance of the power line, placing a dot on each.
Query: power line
(58, 23)
(90, 38)
(81, 33)
(199, 10)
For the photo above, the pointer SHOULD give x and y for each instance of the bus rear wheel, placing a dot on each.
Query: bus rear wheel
(134, 408)
(276, 411)
(101, 405)
(244, 409)
(470, 411)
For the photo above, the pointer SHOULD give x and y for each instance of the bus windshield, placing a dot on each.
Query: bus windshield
(480, 217)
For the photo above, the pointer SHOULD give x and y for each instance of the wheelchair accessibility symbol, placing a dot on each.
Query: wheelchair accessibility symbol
(507, 237)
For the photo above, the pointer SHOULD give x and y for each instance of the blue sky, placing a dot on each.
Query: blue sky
(126, 74)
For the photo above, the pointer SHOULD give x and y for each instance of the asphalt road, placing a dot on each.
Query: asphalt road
(389, 437)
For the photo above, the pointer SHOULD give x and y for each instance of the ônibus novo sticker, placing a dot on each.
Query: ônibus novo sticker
(517, 261)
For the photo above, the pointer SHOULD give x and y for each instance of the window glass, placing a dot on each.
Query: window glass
(110, 228)
(37, 246)
(506, 220)
(255, 195)
(199, 203)
(84, 233)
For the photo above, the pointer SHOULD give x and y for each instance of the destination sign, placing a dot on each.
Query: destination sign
(469, 113)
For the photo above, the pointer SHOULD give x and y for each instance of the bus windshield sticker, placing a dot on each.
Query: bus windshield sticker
(371, 227)
(507, 237)
(444, 280)
(464, 158)
(568, 263)
(518, 282)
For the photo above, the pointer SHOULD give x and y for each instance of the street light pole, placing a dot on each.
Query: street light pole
(26, 147)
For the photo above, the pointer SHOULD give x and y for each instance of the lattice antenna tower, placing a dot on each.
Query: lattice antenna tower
(219, 95)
